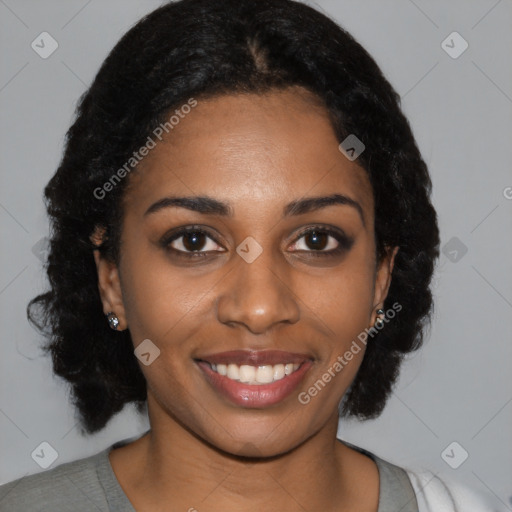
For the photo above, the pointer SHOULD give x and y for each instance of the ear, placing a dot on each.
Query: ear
(383, 280)
(109, 284)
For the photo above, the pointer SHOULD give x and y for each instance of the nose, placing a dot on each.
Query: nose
(258, 295)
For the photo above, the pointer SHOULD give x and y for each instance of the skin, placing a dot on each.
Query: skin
(258, 153)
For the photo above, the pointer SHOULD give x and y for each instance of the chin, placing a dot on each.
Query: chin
(259, 439)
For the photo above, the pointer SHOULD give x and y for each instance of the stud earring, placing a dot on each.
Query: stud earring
(379, 322)
(113, 321)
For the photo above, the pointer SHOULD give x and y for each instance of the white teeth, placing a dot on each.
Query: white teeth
(264, 374)
(247, 373)
(233, 372)
(278, 371)
(288, 369)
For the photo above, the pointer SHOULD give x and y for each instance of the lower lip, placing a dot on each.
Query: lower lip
(255, 396)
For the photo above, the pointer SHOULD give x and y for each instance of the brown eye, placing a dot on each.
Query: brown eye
(322, 242)
(191, 242)
(316, 240)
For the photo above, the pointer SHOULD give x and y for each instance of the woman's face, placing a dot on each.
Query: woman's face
(247, 288)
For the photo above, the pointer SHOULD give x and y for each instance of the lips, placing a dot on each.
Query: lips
(255, 357)
(254, 379)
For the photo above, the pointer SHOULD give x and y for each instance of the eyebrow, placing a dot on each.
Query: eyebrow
(210, 206)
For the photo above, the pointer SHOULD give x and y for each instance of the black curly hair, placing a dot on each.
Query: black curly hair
(200, 49)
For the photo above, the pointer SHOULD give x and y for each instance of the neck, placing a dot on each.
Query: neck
(171, 465)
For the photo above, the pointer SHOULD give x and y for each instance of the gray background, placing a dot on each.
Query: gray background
(458, 387)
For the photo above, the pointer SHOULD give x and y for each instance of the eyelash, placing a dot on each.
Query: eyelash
(345, 243)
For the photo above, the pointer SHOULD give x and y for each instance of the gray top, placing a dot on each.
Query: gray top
(90, 485)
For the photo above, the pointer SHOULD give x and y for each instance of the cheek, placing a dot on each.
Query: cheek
(162, 300)
(344, 304)
(164, 303)
(344, 297)
(350, 304)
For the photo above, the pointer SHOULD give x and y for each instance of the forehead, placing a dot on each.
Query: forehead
(250, 148)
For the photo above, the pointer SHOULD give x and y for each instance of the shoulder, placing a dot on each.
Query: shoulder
(434, 493)
(69, 487)
(431, 493)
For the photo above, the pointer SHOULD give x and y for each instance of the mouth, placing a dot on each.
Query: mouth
(254, 379)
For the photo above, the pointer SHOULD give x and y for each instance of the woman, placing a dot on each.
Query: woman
(243, 240)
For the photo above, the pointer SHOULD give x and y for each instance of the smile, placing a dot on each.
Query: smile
(255, 379)
(255, 375)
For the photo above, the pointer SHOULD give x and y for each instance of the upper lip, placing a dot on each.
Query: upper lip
(255, 357)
